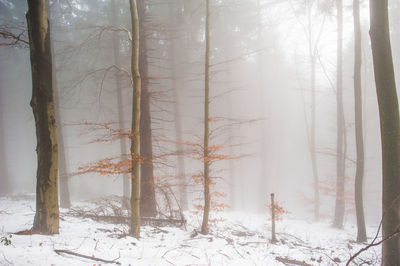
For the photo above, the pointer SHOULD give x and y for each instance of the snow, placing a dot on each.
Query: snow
(237, 239)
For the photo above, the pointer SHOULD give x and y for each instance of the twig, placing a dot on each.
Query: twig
(254, 242)
(372, 244)
(165, 253)
(9, 262)
(238, 252)
(59, 251)
(224, 254)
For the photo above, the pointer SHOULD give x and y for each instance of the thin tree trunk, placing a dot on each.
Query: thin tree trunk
(358, 186)
(148, 206)
(207, 196)
(47, 212)
(314, 165)
(177, 113)
(390, 128)
(65, 201)
(228, 81)
(340, 161)
(4, 178)
(262, 102)
(312, 141)
(135, 134)
(273, 234)
(121, 114)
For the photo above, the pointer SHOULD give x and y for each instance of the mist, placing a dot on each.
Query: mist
(261, 103)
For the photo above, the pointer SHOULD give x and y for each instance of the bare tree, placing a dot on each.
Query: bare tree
(4, 178)
(206, 163)
(47, 212)
(147, 193)
(135, 135)
(390, 128)
(65, 201)
(121, 115)
(358, 186)
(340, 138)
(176, 19)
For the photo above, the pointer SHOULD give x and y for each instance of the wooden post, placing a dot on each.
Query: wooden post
(273, 236)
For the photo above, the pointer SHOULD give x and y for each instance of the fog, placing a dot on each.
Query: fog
(260, 99)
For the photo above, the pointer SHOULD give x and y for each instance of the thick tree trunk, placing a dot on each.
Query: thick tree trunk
(148, 206)
(390, 128)
(340, 160)
(358, 186)
(47, 212)
(135, 134)
(121, 114)
(206, 164)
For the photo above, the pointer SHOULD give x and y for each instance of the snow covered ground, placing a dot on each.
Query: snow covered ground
(237, 239)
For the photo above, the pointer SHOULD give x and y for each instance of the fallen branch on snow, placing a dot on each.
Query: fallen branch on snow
(288, 261)
(59, 251)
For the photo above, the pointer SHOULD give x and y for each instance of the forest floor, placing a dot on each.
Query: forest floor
(235, 239)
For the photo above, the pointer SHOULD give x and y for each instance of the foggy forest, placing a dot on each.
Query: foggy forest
(199, 132)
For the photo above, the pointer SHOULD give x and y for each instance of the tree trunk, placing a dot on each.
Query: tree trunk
(47, 212)
(314, 165)
(4, 178)
(228, 76)
(148, 206)
(65, 201)
(340, 160)
(358, 186)
(273, 234)
(135, 134)
(207, 196)
(121, 114)
(262, 102)
(312, 141)
(390, 128)
(173, 13)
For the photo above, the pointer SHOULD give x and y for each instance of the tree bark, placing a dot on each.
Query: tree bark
(340, 160)
(135, 133)
(390, 128)
(206, 164)
(121, 114)
(148, 206)
(46, 218)
(358, 186)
